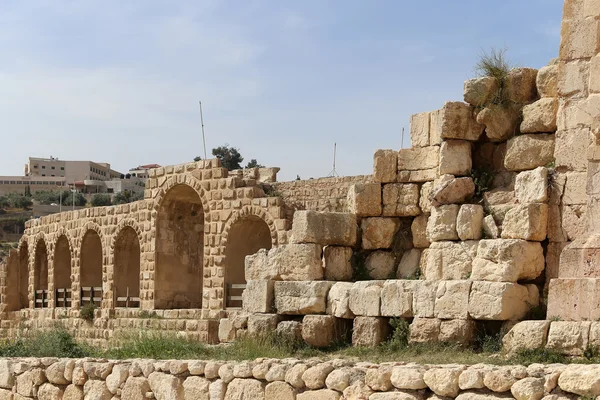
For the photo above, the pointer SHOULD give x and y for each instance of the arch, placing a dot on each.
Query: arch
(247, 235)
(40, 273)
(62, 271)
(245, 212)
(179, 248)
(127, 266)
(90, 262)
(181, 179)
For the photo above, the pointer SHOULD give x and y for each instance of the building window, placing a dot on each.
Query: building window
(43, 174)
(52, 167)
(43, 167)
(62, 168)
(52, 175)
(35, 166)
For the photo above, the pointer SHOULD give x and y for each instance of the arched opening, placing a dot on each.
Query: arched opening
(23, 277)
(62, 272)
(246, 236)
(17, 279)
(179, 250)
(90, 270)
(40, 274)
(127, 268)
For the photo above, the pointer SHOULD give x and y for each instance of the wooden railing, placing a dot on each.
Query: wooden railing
(127, 301)
(91, 295)
(41, 298)
(63, 298)
(234, 295)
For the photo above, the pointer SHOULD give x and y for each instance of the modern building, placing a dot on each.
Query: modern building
(142, 171)
(19, 184)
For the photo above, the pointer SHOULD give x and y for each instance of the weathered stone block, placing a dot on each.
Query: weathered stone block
(532, 186)
(570, 146)
(575, 189)
(419, 130)
(469, 222)
(324, 228)
(262, 324)
(257, 267)
(579, 39)
(424, 198)
(364, 199)
(397, 298)
(419, 231)
(418, 158)
(501, 122)
(448, 260)
(490, 228)
(500, 301)
(569, 337)
(369, 331)
(385, 166)
(301, 298)
(291, 330)
(458, 122)
(452, 190)
(378, 233)
(424, 295)
(226, 330)
(478, 91)
(420, 176)
(338, 300)
(409, 264)
(508, 260)
(540, 116)
(258, 296)
(297, 262)
(455, 158)
(573, 299)
(546, 81)
(521, 85)
(323, 330)
(381, 265)
(530, 151)
(424, 330)
(461, 331)
(452, 300)
(337, 263)
(442, 223)
(401, 200)
(365, 298)
(574, 220)
(527, 221)
(526, 335)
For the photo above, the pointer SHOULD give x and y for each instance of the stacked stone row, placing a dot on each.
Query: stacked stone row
(268, 379)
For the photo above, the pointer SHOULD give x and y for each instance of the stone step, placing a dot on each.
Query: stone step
(574, 299)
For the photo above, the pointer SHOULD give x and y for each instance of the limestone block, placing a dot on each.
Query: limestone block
(226, 330)
(458, 122)
(424, 330)
(451, 191)
(322, 394)
(338, 300)
(324, 228)
(583, 380)
(508, 260)
(385, 166)
(501, 301)
(293, 376)
(479, 91)
(279, 391)
(568, 337)
(369, 331)
(435, 127)
(365, 298)
(409, 264)
(258, 297)
(574, 220)
(469, 222)
(397, 298)
(529, 151)
(521, 85)
(448, 260)
(452, 300)
(301, 298)
(338, 379)
(532, 186)
(546, 81)
(262, 324)
(490, 229)
(50, 392)
(245, 389)
(424, 295)
(443, 381)
(401, 200)
(575, 189)
(528, 335)
(381, 265)
(378, 233)
(419, 231)
(364, 199)
(322, 330)
(573, 78)
(408, 378)
(442, 223)
(418, 158)
(455, 158)
(461, 331)
(424, 198)
(379, 379)
(337, 263)
(291, 330)
(164, 386)
(526, 221)
(419, 130)
(297, 262)
(573, 298)
(501, 122)
(257, 267)
(540, 116)
(471, 378)
(194, 387)
(594, 86)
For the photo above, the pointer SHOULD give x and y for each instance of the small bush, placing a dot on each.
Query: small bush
(483, 179)
(157, 346)
(145, 314)
(591, 352)
(542, 356)
(359, 267)
(54, 343)
(87, 312)
(400, 334)
(493, 64)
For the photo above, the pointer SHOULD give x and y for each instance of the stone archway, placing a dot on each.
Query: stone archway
(62, 272)
(246, 236)
(127, 268)
(40, 274)
(179, 249)
(90, 268)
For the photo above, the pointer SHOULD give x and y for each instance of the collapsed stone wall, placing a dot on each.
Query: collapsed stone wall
(75, 379)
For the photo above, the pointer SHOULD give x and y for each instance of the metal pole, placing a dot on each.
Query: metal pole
(334, 153)
(202, 122)
(60, 202)
(402, 140)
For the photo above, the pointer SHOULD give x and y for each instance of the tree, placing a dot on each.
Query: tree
(27, 191)
(101, 199)
(4, 202)
(17, 200)
(254, 164)
(127, 197)
(47, 197)
(197, 158)
(230, 156)
(67, 199)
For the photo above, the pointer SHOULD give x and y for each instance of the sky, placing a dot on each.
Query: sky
(119, 81)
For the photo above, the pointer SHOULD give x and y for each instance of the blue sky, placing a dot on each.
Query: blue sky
(119, 81)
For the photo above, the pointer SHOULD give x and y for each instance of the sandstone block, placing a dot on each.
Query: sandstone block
(461, 331)
(337, 263)
(455, 158)
(408, 267)
(499, 380)
(338, 300)
(442, 223)
(469, 222)
(527, 221)
(419, 231)
(532, 186)
(339, 379)
(369, 331)
(451, 191)
(322, 330)
(365, 298)
(164, 386)
(245, 389)
(364, 199)
(575, 189)
(262, 324)
(501, 122)
(257, 267)
(297, 262)
(443, 381)
(418, 158)
(526, 335)
(448, 260)
(424, 295)
(324, 228)
(378, 233)
(397, 298)
(301, 298)
(573, 298)
(574, 220)
(500, 301)
(490, 228)
(195, 387)
(420, 176)
(479, 91)
(50, 392)
(381, 265)
(540, 116)
(458, 122)
(399, 395)
(546, 81)
(408, 378)
(385, 166)
(568, 337)
(419, 130)
(570, 146)
(291, 330)
(322, 394)
(401, 200)
(379, 379)
(521, 85)
(74, 392)
(529, 151)
(583, 380)
(258, 297)
(452, 300)
(508, 260)
(279, 391)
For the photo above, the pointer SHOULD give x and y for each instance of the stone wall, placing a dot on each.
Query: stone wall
(76, 379)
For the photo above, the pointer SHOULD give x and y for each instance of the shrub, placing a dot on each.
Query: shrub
(87, 312)
(483, 179)
(145, 314)
(53, 343)
(400, 334)
(542, 356)
(495, 65)
(100, 199)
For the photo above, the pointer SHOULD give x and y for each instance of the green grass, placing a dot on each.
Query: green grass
(54, 343)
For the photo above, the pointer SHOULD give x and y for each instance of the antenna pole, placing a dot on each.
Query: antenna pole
(333, 171)
(203, 137)
(402, 141)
